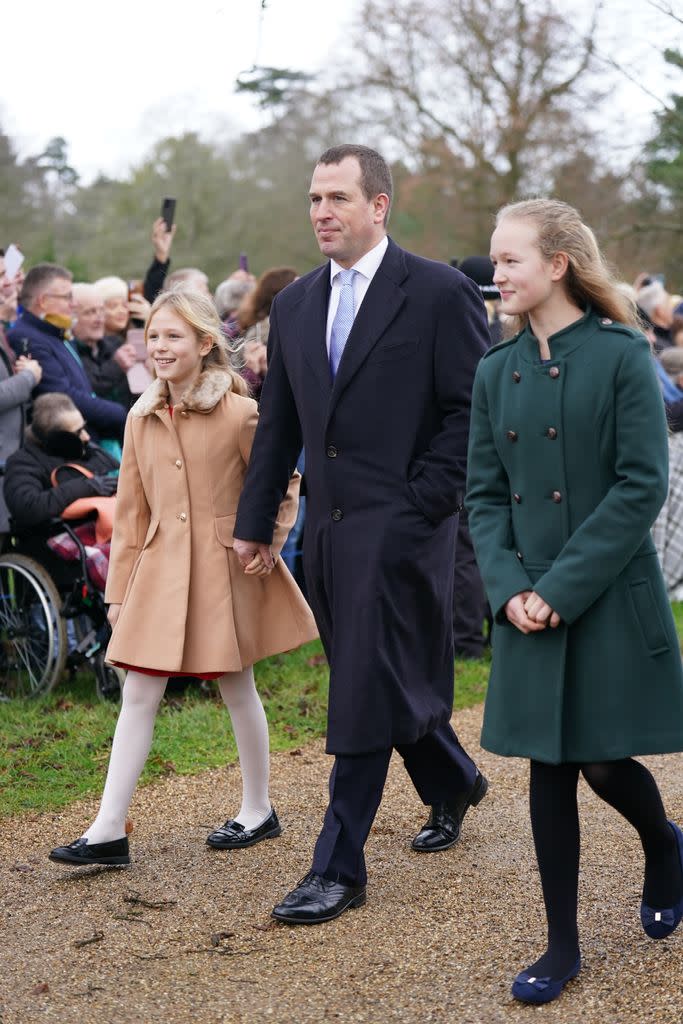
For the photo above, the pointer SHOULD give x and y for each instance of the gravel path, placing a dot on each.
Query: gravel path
(184, 935)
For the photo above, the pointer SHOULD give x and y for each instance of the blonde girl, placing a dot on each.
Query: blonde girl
(179, 601)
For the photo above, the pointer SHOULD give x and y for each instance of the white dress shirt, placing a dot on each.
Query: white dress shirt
(366, 268)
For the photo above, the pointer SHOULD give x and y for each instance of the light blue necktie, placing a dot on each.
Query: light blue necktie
(343, 319)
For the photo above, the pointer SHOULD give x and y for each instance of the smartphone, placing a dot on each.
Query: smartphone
(244, 265)
(168, 211)
(13, 260)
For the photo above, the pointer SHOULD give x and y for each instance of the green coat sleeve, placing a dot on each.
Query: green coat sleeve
(605, 542)
(488, 505)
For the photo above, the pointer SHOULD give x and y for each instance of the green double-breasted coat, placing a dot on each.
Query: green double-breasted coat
(567, 471)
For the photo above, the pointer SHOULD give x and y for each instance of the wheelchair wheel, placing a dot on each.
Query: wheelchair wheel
(33, 645)
(109, 679)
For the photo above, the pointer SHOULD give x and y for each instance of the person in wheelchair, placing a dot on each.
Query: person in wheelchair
(57, 465)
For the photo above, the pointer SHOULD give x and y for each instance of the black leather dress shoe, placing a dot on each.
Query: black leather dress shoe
(82, 852)
(317, 899)
(233, 836)
(445, 821)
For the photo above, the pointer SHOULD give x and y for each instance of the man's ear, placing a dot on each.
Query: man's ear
(381, 204)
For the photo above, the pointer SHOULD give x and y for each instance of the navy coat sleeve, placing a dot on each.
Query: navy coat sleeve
(608, 539)
(275, 451)
(437, 476)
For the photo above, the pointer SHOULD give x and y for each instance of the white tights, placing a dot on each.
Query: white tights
(133, 739)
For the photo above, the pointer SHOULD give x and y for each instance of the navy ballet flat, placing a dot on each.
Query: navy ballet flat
(529, 989)
(658, 924)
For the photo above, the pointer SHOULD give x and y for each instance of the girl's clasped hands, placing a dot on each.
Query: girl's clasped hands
(529, 613)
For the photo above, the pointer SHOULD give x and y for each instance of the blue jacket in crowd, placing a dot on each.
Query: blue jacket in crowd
(63, 371)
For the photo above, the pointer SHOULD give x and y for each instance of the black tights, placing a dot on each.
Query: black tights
(627, 786)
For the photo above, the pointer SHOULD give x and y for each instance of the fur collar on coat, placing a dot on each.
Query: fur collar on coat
(203, 396)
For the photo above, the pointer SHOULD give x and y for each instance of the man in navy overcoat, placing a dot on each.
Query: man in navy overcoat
(370, 368)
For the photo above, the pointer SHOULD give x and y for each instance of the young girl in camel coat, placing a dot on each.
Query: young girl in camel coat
(179, 601)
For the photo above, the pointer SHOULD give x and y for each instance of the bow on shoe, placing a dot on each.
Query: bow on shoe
(657, 918)
(540, 984)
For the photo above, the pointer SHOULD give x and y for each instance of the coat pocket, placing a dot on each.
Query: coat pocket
(648, 616)
(393, 351)
(149, 536)
(224, 526)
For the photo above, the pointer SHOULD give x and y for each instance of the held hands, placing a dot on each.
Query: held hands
(255, 559)
(529, 613)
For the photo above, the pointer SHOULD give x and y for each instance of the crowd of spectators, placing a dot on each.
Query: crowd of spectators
(73, 361)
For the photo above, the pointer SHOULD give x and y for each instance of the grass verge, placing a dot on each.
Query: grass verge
(55, 749)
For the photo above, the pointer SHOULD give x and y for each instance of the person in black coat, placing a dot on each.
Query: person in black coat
(370, 367)
(57, 440)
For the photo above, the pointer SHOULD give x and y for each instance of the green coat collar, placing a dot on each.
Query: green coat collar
(562, 342)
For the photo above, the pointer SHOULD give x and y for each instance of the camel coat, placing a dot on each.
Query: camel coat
(187, 605)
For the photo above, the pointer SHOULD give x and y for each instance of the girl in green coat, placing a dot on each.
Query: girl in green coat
(567, 471)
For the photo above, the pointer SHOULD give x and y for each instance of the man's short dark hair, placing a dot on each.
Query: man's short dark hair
(375, 175)
(38, 279)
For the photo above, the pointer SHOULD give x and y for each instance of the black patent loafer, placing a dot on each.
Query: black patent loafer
(233, 836)
(445, 821)
(317, 899)
(82, 852)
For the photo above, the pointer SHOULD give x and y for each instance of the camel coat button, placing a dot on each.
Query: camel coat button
(182, 516)
(179, 463)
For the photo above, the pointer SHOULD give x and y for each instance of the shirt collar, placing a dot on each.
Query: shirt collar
(367, 265)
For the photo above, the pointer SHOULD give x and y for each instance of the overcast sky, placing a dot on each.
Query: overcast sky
(113, 78)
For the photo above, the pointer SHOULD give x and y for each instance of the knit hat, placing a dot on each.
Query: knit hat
(480, 269)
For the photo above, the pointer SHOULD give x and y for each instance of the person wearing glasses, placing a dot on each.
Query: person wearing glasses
(43, 331)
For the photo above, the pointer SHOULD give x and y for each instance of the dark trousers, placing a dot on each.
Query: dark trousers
(469, 599)
(439, 768)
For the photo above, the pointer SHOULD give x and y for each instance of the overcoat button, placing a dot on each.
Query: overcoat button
(518, 498)
(332, 452)
(178, 463)
(552, 433)
(520, 556)
(511, 435)
(554, 372)
(606, 321)
(557, 497)
(182, 516)
(337, 514)
(516, 376)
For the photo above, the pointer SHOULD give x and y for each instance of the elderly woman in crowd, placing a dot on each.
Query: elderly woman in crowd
(121, 310)
(668, 529)
(105, 359)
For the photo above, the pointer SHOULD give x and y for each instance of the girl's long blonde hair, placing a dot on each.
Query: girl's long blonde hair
(588, 280)
(198, 311)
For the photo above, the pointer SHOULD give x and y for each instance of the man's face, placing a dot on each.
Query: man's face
(57, 298)
(89, 321)
(346, 223)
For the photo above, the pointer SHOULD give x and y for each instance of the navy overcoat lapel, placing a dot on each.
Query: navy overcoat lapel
(382, 302)
(313, 320)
